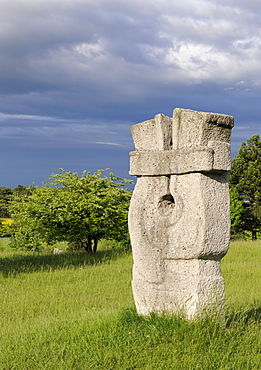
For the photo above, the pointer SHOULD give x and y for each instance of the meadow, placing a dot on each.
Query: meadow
(76, 311)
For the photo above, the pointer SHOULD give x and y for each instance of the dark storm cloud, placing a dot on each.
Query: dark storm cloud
(75, 74)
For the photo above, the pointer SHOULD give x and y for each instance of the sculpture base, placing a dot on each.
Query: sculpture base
(190, 288)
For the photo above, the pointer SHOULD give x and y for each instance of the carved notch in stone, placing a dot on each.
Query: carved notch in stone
(166, 204)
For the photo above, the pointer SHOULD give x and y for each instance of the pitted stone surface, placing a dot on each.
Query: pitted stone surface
(178, 161)
(179, 217)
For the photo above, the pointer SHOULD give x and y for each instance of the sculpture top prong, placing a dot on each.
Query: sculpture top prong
(189, 142)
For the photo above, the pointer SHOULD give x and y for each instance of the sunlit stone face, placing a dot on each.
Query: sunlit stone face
(179, 217)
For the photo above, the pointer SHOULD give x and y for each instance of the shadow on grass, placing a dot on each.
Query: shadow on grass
(38, 262)
(245, 317)
(166, 322)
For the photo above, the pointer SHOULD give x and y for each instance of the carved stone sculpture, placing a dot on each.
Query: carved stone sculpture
(179, 218)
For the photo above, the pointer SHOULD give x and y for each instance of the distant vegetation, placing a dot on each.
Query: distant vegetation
(6, 196)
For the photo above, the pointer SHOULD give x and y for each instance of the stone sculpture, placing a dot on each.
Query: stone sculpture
(179, 218)
(57, 251)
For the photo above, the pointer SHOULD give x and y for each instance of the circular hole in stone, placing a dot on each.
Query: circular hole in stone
(166, 204)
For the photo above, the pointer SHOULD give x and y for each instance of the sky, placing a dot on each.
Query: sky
(76, 74)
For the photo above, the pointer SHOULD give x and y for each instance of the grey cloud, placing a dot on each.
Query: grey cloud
(79, 44)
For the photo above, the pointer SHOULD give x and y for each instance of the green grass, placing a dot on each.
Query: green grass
(74, 311)
(241, 269)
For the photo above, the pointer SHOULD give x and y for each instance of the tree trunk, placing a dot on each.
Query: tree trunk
(254, 236)
(88, 246)
(95, 243)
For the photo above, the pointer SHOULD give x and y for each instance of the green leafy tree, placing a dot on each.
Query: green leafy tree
(80, 210)
(236, 210)
(5, 195)
(21, 190)
(245, 178)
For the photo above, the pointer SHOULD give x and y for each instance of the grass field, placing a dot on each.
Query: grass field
(75, 311)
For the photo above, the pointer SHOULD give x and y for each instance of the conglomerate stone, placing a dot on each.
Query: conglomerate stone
(179, 218)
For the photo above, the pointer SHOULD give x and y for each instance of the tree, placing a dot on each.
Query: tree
(245, 178)
(236, 210)
(80, 210)
(5, 195)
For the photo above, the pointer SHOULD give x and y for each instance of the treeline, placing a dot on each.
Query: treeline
(6, 196)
